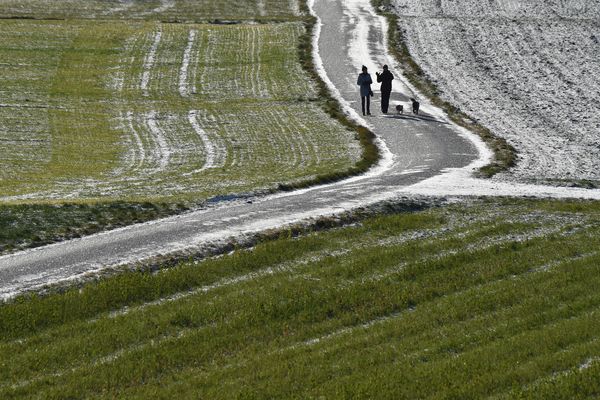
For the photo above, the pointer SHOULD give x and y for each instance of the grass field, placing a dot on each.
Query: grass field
(165, 10)
(139, 111)
(481, 299)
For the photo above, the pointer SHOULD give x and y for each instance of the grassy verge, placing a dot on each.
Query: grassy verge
(504, 154)
(25, 226)
(489, 298)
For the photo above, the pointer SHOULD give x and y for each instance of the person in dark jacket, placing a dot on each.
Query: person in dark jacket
(385, 78)
(365, 81)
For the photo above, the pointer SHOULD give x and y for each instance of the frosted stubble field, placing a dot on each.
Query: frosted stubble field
(528, 71)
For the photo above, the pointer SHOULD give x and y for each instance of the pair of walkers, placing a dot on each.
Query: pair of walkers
(365, 81)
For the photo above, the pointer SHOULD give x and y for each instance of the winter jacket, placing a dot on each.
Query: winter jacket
(364, 81)
(385, 78)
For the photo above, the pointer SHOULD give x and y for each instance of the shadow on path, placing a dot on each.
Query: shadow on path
(413, 117)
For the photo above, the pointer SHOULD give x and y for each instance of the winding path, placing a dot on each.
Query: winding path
(415, 148)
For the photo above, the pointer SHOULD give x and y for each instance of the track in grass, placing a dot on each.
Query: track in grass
(468, 300)
(145, 110)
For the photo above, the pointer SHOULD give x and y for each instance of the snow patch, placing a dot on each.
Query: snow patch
(209, 149)
(123, 5)
(149, 62)
(184, 89)
(165, 5)
(295, 7)
(260, 6)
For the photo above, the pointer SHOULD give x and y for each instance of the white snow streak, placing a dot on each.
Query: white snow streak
(165, 5)
(149, 62)
(209, 149)
(184, 89)
(135, 155)
(162, 150)
(295, 7)
(123, 5)
(260, 6)
(355, 12)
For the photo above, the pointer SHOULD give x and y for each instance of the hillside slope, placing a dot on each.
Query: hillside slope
(526, 70)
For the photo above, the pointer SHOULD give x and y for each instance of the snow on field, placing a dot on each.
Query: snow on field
(184, 89)
(180, 10)
(149, 62)
(173, 110)
(526, 70)
(294, 7)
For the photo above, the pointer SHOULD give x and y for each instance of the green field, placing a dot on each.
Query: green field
(143, 111)
(169, 10)
(480, 299)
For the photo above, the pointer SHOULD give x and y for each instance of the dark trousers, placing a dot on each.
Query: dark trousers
(385, 100)
(367, 100)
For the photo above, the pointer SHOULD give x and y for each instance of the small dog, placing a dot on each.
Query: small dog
(400, 109)
(415, 106)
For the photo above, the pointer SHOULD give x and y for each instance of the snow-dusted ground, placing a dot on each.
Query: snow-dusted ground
(398, 176)
(528, 70)
(190, 110)
(452, 181)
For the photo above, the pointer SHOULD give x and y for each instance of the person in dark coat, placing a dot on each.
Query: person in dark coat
(415, 106)
(365, 81)
(385, 78)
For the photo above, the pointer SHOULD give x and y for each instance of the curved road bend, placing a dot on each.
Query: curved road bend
(421, 146)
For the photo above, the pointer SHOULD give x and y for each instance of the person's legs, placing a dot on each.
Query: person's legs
(362, 101)
(368, 105)
(385, 101)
